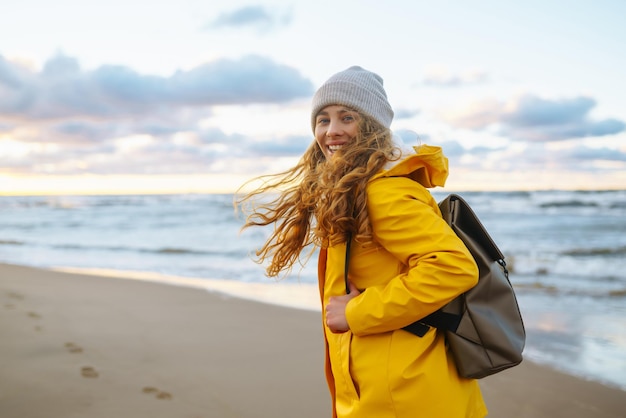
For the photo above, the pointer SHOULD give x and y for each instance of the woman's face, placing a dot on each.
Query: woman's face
(335, 126)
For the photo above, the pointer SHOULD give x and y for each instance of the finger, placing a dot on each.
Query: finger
(353, 288)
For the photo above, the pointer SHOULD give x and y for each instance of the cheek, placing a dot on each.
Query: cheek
(321, 145)
(353, 130)
(319, 137)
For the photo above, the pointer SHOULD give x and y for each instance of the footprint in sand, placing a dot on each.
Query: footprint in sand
(89, 372)
(14, 295)
(34, 315)
(73, 348)
(164, 395)
(159, 394)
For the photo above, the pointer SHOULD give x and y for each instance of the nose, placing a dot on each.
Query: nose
(334, 129)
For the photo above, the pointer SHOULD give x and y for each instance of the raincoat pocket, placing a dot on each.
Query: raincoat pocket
(341, 366)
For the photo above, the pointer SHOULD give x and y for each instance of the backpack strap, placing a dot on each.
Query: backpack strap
(346, 264)
(442, 320)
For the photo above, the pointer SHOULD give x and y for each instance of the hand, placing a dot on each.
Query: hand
(336, 310)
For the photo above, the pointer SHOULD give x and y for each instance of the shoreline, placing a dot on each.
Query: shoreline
(291, 294)
(298, 295)
(77, 345)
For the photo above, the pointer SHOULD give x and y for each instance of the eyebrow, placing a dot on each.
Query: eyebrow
(343, 110)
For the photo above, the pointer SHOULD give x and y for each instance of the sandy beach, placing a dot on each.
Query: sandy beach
(74, 345)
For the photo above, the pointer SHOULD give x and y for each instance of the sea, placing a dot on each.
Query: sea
(566, 253)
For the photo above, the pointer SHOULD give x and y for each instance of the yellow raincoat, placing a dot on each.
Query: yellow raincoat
(415, 266)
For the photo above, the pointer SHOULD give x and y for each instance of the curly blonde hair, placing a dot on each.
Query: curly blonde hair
(319, 201)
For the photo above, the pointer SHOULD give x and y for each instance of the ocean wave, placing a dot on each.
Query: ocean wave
(177, 251)
(592, 252)
(556, 291)
(163, 251)
(568, 204)
(71, 202)
(519, 193)
(11, 242)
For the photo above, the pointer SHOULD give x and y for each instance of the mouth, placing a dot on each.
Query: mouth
(334, 148)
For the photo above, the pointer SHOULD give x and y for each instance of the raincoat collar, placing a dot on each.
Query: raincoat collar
(426, 164)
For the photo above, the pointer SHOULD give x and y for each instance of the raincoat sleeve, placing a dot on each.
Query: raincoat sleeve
(435, 266)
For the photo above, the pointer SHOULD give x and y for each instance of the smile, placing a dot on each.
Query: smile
(334, 148)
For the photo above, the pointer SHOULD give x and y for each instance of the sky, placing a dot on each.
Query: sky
(194, 96)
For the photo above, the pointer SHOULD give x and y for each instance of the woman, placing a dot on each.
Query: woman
(354, 183)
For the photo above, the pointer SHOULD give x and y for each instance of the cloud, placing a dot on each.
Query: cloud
(452, 149)
(584, 153)
(477, 116)
(404, 113)
(63, 119)
(137, 146)
(531, 118)
(531, 111)
(62, 89)
(291, 146)
(252, 79)
(255, 16)
(132, 154)
(534, 158)
(5, 127)
(75, 132)
(409, 137)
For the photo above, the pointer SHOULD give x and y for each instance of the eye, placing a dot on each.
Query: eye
(321, 121)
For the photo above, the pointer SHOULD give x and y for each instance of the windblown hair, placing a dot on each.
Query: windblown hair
(319, 202)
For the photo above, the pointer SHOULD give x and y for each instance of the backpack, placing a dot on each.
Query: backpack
(483, 326)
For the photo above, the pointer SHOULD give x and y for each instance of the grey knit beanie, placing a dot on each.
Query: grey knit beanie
(357, 89)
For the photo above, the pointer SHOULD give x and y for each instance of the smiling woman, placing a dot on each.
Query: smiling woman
(358, 192)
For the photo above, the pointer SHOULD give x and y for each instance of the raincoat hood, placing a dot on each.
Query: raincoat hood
(425, 164)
